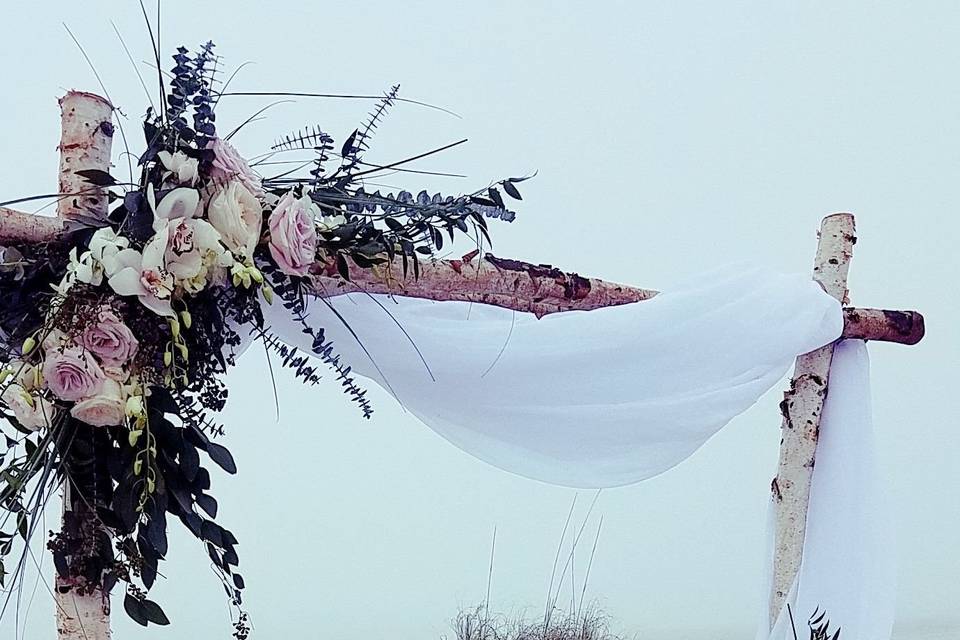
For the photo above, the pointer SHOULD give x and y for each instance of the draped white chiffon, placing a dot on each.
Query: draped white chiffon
(583, 399)
(617, 395)
(848, 568)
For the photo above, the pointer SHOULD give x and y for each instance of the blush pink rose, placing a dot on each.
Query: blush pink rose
(228, 165)
(293, 235)
(72, 374)
(110, 339)
(104, 409)
(33, 412)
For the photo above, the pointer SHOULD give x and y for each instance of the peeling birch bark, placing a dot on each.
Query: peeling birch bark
(21, 227)
(510, 284)
(904, 327)
(86, 137)
(802, 408)
(82, 617)
(521, 286)
(85, 143)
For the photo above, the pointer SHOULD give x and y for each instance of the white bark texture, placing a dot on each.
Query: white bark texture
(85, 143)
(86, 136)
(521, 286)
(802, 407)
(20, 227)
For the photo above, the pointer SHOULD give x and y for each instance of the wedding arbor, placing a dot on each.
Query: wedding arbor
(538, 290)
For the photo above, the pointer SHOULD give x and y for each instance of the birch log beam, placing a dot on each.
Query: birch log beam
(85, 143)
(511, 284)
(904, 327)
(542, 289)
(19, 227)
(802, 408)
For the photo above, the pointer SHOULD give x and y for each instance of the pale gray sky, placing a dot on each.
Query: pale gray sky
(668, 137)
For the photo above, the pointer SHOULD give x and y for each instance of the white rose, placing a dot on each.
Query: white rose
(237, 214)
(33, 412)
(105, 409)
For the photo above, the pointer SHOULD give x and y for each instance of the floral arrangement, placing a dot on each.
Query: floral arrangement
(114, 340)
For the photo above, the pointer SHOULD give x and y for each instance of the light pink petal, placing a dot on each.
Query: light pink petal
(186, 265)
(129, 258)
(158, 306)
(153, 252)
(126, 282)
(179, 203)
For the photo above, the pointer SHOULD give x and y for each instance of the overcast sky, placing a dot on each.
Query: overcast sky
(669, 137)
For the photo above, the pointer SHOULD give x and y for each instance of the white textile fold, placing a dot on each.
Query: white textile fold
(583, 399)
(848, 567)
(614, 396)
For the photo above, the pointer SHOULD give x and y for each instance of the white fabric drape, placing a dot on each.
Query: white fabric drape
(614, 396)
(584, 399)
(848, 567)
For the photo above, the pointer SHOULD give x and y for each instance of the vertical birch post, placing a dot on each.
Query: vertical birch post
(802, 408)
(85, 143)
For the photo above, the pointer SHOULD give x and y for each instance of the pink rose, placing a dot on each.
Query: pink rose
(110, 339)
(72, 374)
(33, 412)
(293, 235)
(105, 409)
(228, 165)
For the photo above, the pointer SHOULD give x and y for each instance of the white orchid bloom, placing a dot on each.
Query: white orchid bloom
(82, 268)
(329, 223)
(179, 203)
(85, 268)
(325, 221)
(104, 240)
(145, 275)
(180, 165)
(104, 247)
(191, 243)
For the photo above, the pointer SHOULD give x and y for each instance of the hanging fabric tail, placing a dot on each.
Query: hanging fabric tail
(848, 569)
